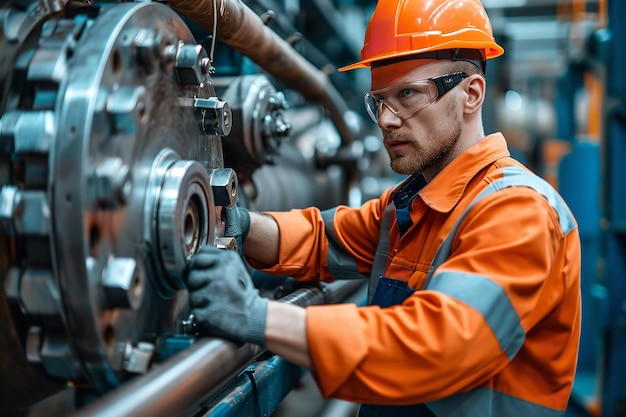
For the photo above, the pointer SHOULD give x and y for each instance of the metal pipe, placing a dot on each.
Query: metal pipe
(179, 383)
(242, 29)
(199, 371)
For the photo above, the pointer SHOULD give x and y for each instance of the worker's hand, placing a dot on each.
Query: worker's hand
(237, 224)
(223, 298)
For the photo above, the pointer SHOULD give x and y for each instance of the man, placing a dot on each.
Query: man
(473, 261)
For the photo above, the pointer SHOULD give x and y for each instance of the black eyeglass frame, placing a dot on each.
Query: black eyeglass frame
(444, 84)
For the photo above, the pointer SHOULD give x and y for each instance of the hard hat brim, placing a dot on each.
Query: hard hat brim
(492, 50)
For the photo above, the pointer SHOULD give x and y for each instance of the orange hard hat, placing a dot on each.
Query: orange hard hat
(402, 28)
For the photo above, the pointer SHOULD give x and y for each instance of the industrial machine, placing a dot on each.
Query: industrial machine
(126, 130)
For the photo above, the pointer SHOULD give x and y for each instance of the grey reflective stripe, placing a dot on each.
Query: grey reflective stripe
(516, 176)
(485, 402)
(489, 299)
(340, 263)
(382, 251)
(513, 176)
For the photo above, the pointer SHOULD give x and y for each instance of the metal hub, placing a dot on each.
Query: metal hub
(104, 202)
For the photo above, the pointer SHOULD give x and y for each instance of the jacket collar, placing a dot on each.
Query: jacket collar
(445, 190)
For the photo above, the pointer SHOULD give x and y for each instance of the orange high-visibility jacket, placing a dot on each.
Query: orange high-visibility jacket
(493, 331)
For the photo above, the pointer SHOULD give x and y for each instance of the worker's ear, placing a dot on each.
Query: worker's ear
(475, 90)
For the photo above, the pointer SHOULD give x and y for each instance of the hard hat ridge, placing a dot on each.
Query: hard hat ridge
(400, 28)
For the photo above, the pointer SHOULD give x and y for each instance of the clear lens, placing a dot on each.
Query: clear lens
(371, 106)
(406, 99)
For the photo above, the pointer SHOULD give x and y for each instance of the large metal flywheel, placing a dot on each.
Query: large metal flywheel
(110, 148)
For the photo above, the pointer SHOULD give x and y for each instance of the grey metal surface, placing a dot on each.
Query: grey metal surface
(112, 175)
(102, 199)
(199, 371)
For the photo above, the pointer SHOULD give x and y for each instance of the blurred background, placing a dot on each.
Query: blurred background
(88, 95)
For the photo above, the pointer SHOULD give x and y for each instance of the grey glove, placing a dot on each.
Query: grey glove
(223, 298)
(237, 224)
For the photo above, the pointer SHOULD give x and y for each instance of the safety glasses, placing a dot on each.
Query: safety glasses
(406, 99)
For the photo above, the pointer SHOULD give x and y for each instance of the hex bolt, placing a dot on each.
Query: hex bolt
(112, 183)
(229, 243)
(216, 115)
(153, 45)
(38, 293)
(189, 59)
(145, 47)
(8, 196)
(31, 213)
(137, 358)
(33, 344)
(122, 283)
(26, 132)
(127, 108)
(8, 126)
(224, 185)
(57, 357)
(12, 279)
(35, 131)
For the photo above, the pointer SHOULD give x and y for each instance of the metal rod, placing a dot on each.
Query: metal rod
(198, 372)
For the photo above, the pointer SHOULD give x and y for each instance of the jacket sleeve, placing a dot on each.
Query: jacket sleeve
(507, 271)
(307, 237)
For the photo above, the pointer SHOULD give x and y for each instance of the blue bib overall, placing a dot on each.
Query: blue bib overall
(391, 292)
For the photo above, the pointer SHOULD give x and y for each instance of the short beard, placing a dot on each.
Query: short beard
(430, 160)
(427, 159)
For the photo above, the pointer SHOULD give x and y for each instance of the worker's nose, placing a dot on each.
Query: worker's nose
(387, 118)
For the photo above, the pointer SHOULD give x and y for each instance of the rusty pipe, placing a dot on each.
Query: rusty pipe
(243, 30)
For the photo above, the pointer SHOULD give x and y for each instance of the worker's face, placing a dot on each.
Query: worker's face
(423, 142)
